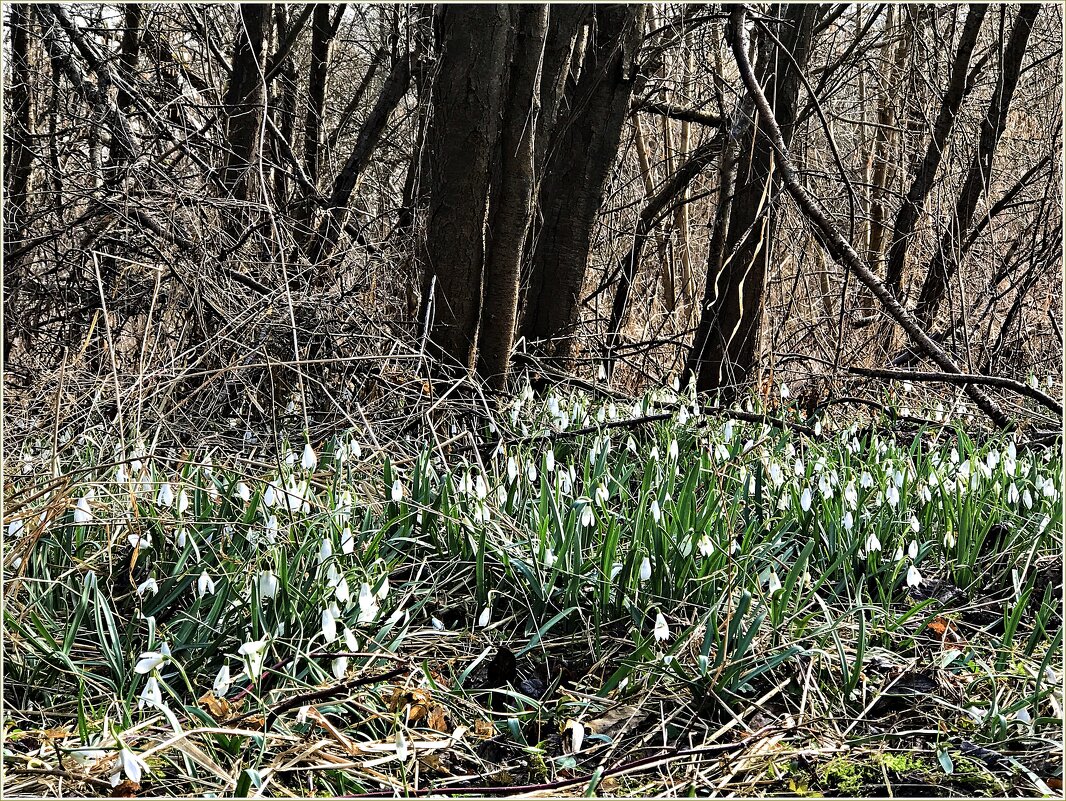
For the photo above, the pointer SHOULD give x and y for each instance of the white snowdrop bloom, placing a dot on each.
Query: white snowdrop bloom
(182, 502)
(912, 549)
(325, 550)
(549, 461)
(165, 497)
(329, 625)
(243, 492)
(122, 475)
(587, 517)
(1049, 490)
(672, 452)
(785, 392)
(309, 460)
(253, 654)
(866, 481)
(15, 527)
(437, 624)
(368, 606)
(602, 494)
(805, 499)
(272, 528)
(851, 495)
(925, 493)
(151, 694)
(705, 546)
(949, 540)
(1023, 716)
(661, 630)
(481, 489)
(645, 569)
(616, 568)
(1027, 498)
(798, 468)
(825, 487)
(350, 642)
(82, 513)
(849, 521)
(341, 591)
(148, 586)
(383, 588)
(347, 541)
(682, 415)
(143, 541)
(1045, 521)
(631, 445)
(485, 617)
(133, 767)
(512, 469)
(1012, 493)
(777, 476)
(992, 459)
(601, 373)
(182, 537)
(205, 585)
(656, 513)
(773, 583)
(270, 495)
(549, 558)
(817, 428)
(601, 415)
(915, 524)
(892, 495)
(222, 681)
(897, 476)
(397, 491)
(401, 746)
(340, 667)
(899, 555)
(914, 578)
(653, 455)
(873, 544)
(149, 661)
(531, 472)
(727, 431)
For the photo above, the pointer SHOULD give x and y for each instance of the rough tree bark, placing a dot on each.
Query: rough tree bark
(461, 140)
(911, 208)
(723, 354)
(945, 261)
(512, 199)
(244, 97)
(583, 151)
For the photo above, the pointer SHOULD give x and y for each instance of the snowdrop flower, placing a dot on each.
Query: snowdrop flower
(727, 431)
(776, 475)
(825, 487)
(912, 550)
(773, 583)
(914, 578)
(349, 639)
(805, 500)
(512, 469)
(672, 451)
(892, 495)
(531, 472)
(397, 491)
(682, 415)
(785, 393)
(849, 521)
(915, 524)
(166, 495)
(329, 625)
(309, 461)
(132, 765)
(1027, 498)
(253, 654)
(866, 480)
(631, 445)
(121, 475)
(183, 502)
(268, 585)
(151, 694)
(205, 585)
(705, 546)
(798, 468)
(341, 591)
(340, 667)
(656, 512)
(873, 544)
(549, 461)
(661, 630)
(485, 617)
(243, 492)
(368, 606)
(645, 569)
(15, 527)
(222, 681)
(587, 517)
(949, 540)
(437, 624)
(149, 661)
(82, 513)
(549, 558)
(148, 586)
(325, 550)
(851, 495)
(602, 495)
(347, 541)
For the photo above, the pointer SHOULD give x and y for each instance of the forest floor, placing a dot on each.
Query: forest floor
(580, 596)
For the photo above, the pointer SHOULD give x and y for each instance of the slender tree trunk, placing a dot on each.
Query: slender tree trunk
(317, 78)
(583, 153)
(512, 199)
(922, 183)
(287, 87)
(462, 138)
(945, 262)
(244, 98)
(129, 49)
(724, 351)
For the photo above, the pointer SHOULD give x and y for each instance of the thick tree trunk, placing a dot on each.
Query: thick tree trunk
(945, 261)
(461, 140)
(724, 351)
(583, 151)
(129, 50)
(922, 184)
(244, 99)
(512, 198)
(321, 41)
